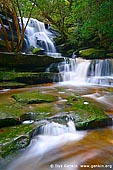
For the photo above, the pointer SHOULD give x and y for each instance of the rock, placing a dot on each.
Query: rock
(9, 122)
(87, 116)
(92, 53)
(11, 85)
(94, 124)
(38, 51)
(33, 97)
(15, 138)
(110, 55)
(36, 78)
(23, 62)
(27, 118)
(12, 79)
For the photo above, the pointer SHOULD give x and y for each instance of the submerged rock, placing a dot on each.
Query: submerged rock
(33, 97)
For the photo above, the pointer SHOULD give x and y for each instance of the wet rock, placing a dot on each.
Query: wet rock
(16, 137)
(11, 85)
(17, 143)
(94, 124)
(33, 97)
(87, 115)
(13, 79)
(23, 62)
(38, 51)
(36, 78)
(28, 118)
(9, 122)
(92, 53)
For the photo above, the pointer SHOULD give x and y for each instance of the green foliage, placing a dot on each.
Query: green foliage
(10, 10)
(94, 19)
(80, 22)
(57, 13)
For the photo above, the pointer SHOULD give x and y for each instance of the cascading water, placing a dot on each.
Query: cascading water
(52, 136)
(81, 71)
(101, 72)
(74, 71)
(38, 36)
(58, 129)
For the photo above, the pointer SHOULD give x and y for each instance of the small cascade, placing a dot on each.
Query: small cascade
(81, 72)
(56, 129)
(75, 70)
(101, 72)
(38, 36)
(101, 67)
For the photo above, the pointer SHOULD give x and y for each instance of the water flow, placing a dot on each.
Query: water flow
(58, 129)
(75, 71)
(81, 72)
(38, 35)
(101, 72)
(53, 136)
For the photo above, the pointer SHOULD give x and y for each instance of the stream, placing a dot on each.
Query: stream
(68, 149)
(62, 146)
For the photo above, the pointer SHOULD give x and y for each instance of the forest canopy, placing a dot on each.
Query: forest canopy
(81, 23)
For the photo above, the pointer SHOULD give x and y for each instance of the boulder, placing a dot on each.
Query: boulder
(92, 53)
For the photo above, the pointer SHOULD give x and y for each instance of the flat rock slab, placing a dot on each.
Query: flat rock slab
(27, 62)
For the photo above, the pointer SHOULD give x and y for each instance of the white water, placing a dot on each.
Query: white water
(54, 135)
(58, 129)
(38, 35)
(85, 72)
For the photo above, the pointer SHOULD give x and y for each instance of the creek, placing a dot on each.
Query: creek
(62, 146)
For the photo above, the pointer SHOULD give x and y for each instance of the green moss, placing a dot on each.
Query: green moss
(86, 113)
(35, 50)
(33, 97)
(10, 110)
(14, 138)
(44, 110)
(7, 84)
(92, 53)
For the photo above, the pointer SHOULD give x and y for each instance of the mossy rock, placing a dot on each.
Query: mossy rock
(33, 97)
(14, 138)
(11, 110)
(9, 122)
(87, 115)
(20, 79)
(95, 123)
(110, 55)
(38, 51)
(92, 53)
(24, 62)
(12, 85)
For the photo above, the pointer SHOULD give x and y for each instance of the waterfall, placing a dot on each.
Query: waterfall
(55, 129)
(38, 36)
(81, 72)
(74, 70)
(101, 72)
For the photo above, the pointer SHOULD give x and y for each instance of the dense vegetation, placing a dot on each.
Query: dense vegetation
(81, 23)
